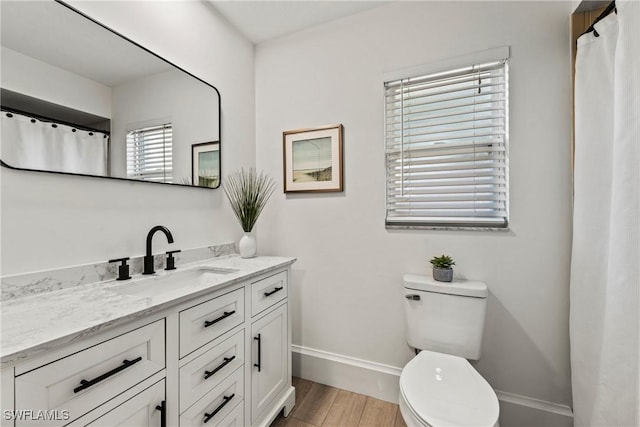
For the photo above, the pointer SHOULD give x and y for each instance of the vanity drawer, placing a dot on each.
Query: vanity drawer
(210, 319)
(214, 406)
(207, 371)
(83, 381)
(268, 291)
(234, 419)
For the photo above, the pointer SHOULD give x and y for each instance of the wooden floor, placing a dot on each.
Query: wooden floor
(319, 405)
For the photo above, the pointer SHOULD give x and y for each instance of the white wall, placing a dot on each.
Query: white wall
(32, 77)
(347, 281)
(170, 97)
(51, 221)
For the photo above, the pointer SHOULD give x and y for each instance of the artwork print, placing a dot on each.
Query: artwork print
(205, 159)
(313, 159)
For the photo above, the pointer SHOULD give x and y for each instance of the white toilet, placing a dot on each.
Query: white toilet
(439, 387)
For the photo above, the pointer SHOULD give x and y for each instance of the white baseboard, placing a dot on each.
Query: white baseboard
(522, 411)
(348, 373)
(382, 382)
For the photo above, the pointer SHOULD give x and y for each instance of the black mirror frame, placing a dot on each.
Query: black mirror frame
(62, 3)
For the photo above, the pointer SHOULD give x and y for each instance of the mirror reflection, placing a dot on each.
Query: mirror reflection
(78, 98)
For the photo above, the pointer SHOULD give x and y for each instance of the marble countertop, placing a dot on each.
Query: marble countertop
(34, 324)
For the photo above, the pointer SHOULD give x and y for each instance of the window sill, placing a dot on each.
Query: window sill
(444, 228)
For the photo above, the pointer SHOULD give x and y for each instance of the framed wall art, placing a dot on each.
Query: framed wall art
(313, 159)
(205, 164)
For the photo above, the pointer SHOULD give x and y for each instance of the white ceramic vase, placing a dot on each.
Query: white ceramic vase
(247, 245)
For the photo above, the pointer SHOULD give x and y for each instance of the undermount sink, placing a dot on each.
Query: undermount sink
(156, 284)
(214, 270)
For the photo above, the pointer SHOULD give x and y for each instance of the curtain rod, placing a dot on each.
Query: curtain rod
(610, 8)
(50, 120)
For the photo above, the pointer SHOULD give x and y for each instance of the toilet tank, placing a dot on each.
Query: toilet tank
(446, 317)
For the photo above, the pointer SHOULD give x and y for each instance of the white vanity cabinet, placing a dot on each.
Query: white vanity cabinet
(221, 358)
(225, 364)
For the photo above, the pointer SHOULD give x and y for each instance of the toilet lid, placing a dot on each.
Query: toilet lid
(445, 390)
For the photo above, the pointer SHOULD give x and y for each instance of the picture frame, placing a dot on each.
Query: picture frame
(205, 164)
(312, 159)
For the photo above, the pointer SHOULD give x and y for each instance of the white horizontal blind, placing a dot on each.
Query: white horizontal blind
(446, 148)
(149, 153)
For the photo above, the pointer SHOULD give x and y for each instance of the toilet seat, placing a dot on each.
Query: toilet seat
(444, 390)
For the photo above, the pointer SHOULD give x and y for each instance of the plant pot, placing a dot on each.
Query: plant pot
(443, 274)
(247, 246)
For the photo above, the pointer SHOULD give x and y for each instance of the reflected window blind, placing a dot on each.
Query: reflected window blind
(149, 153)
(446, 148)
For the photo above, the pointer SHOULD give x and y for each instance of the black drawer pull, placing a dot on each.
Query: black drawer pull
(413, 297)
(207, 417)
(88, 383)
(226, 314)
(257, 365)
(162, 407)
(267, 294)
(227, 360)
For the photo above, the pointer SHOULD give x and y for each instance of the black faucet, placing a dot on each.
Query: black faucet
(148, 258)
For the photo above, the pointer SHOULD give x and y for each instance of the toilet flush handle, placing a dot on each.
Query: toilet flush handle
(413, 297)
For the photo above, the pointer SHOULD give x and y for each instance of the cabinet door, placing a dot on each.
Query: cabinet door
(142, 410)
(269, 371)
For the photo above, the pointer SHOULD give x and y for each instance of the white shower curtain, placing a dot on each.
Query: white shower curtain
(34, 144)
(605, 266)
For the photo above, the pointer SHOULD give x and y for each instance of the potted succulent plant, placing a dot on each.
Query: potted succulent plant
(248, 193)
(442, 271)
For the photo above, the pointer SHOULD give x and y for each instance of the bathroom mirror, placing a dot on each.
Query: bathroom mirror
(78, 98)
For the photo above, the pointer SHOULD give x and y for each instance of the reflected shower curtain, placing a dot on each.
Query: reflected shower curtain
(33, 144)
(605, 271)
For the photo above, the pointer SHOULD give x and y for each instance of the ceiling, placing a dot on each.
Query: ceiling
(263, 20)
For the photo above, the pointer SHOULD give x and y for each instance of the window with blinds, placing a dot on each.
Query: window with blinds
(149, 153)
(446, 149)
